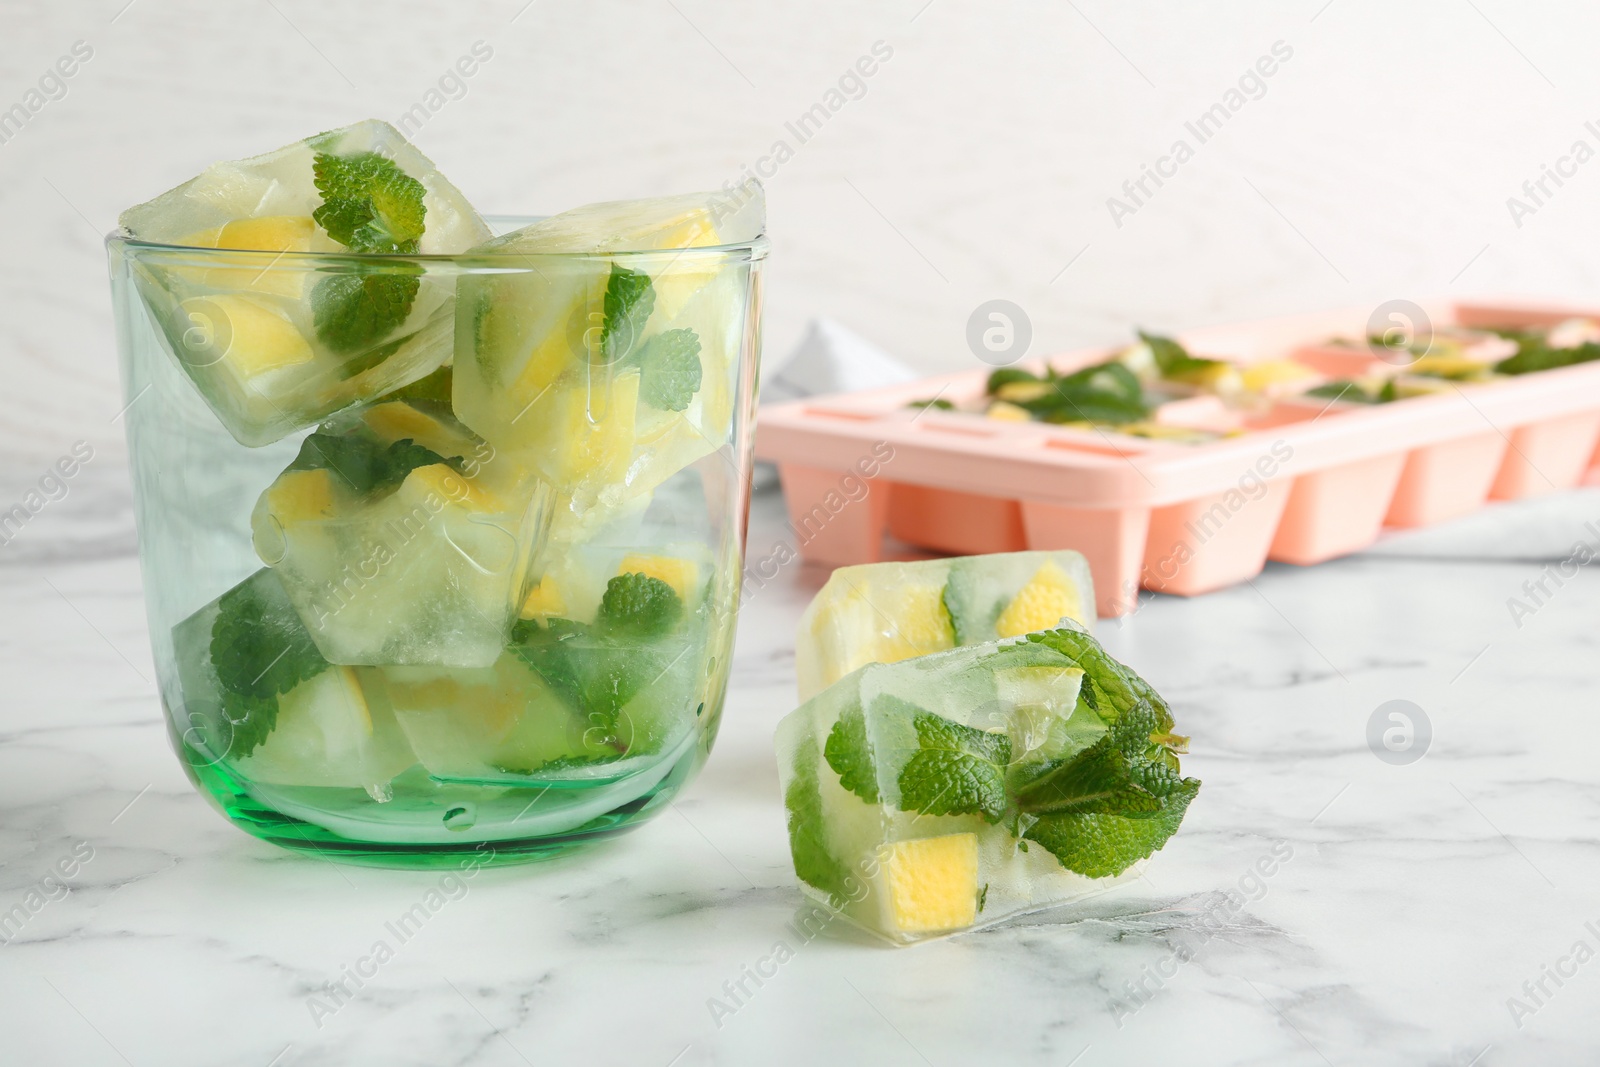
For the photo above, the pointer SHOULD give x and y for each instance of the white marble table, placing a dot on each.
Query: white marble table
(1414, 900)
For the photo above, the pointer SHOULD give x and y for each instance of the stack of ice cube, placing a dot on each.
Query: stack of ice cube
(956, 788)
(453, 554)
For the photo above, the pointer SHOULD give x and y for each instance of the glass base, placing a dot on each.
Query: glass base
(426, 824)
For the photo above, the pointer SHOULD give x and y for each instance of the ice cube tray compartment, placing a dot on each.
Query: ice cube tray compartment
(1301, 481)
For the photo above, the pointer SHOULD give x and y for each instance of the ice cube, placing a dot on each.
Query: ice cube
(276, 341)
(609, 372)
(886, 612)
(960, 788)
(401, 538)
(499, 724)
(255, 695)
(627, 654)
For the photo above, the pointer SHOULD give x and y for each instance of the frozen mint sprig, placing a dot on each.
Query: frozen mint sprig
(1099, 810)
(369, 205)
(259, 651)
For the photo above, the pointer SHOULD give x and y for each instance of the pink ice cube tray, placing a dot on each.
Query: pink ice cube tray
(1302, 480)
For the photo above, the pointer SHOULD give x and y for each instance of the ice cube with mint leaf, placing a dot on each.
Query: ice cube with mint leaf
(956, 789)
(297, 306)
(401, 538)
(604, 348)
(258, 698)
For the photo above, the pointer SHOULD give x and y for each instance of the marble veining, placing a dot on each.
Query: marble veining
(1319, 906)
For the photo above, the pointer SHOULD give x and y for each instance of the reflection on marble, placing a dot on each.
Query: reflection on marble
(1319, 905)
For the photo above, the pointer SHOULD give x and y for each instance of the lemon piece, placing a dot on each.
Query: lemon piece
(302, 496)
(443, 479)
(544, 600)
(682, 574)
(272, 233)
(1259, 377)
(1008, 412)
(1024, 391)
(930, 884)
(598, 425)
(1456, 367)
(253, 337)
(1048, 597)
(398, 420)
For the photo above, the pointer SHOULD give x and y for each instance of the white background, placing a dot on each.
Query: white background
(977, 165)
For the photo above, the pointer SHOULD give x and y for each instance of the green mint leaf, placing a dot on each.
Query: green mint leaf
(434, 389)
(669, 369)
(849, 753)
(1007, 375)
(368, 203)
(629, 300)
(957, 770)
(364, 463)
(814, 862)
(1532, 355)
(1106, 392)
(355, 309)
(1173, 360)
(1110, 688)
(596, 672)
(937, 403)
(259, 650)
(640, 605)
(1102, 844)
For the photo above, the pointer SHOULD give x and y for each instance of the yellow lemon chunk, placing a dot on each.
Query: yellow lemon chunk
(682, 574)
(443, 479)
(302, 496)
(1008, 412)
(930, 884)
(1024, 391)
(272, 233)
(599, 428)
(1049, 597)
(399, 421)
(248, 335)
(1457, 367)
(544, 600)
(1258, 377)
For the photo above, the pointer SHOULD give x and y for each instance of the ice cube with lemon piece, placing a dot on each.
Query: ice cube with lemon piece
(282, 299)
(402, 539)
(603, 346)
(959, 788)
(885, 612)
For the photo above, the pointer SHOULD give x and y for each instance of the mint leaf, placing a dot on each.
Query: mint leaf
(1173, 360)
(1105, 392)
(1532, 355)
(259, 650)
(1099, 845)
(1112, 804)
(957, 770)
(849, 753)
(366, 465)
(808, 830)
(597, 673)
(434, 389)
(368, 203)
(1109, 688)
(362, 306)
(1007, 375)
(628, 302)
(669, 369)
(640, 605)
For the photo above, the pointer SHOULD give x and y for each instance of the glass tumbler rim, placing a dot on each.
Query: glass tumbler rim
(753, 250)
